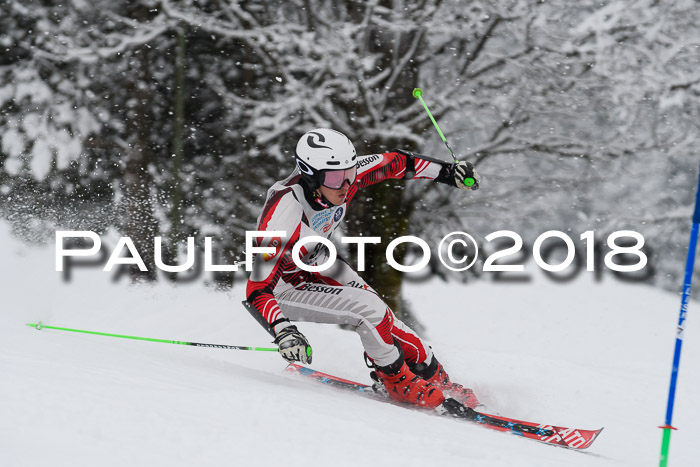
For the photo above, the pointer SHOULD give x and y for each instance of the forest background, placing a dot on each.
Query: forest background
(172, 118)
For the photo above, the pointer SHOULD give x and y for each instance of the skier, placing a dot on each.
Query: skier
(313, 201)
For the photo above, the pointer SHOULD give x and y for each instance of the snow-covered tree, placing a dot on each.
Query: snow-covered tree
(174, 117)
(506, 82)
(650, 52)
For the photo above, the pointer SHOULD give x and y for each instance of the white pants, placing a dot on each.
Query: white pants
(349, 300)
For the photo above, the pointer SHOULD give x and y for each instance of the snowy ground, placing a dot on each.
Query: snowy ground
(584, 354)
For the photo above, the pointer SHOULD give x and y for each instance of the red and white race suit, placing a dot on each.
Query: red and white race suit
(280, 291)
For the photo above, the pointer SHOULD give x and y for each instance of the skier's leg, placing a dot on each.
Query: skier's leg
(413, 348)
(418, 355)
(422, 362)
(363, 310)
(373, 321)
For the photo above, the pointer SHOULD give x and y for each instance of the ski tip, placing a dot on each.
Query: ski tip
(595, 435)
(38, 325)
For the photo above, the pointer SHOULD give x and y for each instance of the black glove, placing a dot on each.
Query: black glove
(461, 175)
(293, 345)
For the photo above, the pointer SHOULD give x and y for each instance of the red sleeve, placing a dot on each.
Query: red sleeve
(377, 167)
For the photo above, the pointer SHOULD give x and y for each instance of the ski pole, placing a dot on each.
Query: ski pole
(692, 245)
(39, 326)
(418, 94)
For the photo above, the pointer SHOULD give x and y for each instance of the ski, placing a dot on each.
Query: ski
(570, 438)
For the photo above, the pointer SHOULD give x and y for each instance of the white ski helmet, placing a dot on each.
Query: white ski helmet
(323, 150)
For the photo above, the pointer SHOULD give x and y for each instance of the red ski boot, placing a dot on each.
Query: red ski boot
(402, 385)
(435, 373)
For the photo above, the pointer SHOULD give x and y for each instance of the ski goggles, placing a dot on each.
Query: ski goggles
(334, 179)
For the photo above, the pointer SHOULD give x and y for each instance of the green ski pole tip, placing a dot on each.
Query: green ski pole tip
(417, 93)
(468, 181)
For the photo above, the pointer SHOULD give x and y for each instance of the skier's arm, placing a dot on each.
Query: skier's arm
(397, 165)
(267, 270)
(406, 165)
(281, 213)
(450, 174)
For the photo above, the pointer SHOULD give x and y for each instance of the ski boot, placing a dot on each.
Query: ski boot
(435, 373)
(399, 383)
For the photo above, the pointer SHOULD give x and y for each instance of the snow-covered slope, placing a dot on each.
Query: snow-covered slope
(584, 354)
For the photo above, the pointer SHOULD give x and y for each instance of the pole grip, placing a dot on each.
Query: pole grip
(696, 213)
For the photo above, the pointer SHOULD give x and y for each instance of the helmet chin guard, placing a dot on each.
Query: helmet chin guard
(322, 150)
